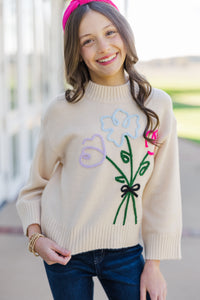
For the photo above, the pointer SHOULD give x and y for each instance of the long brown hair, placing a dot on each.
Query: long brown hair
(76, 71)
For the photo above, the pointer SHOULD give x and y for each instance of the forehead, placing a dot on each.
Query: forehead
(93, 22)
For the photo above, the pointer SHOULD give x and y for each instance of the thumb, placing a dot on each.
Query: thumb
(61, 251)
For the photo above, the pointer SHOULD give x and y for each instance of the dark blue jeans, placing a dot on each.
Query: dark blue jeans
(118, 270)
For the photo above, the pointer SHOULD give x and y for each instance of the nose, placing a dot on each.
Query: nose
(103, 45)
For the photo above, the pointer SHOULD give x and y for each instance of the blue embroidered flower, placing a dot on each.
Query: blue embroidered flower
(119, 125)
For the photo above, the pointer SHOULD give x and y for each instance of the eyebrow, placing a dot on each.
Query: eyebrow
(88, 34)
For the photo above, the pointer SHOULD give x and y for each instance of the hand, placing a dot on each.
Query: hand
(51, 252)
(152, 281)
(48, 249)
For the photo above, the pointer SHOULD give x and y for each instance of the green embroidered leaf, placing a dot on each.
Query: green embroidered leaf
(120, 179)
(125, 156)
(143, 167)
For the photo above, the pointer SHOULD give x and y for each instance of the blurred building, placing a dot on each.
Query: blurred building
(31, 74)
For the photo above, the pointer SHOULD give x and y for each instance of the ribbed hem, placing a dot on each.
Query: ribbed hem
(29, 213)
(162, 247)
(84, 239)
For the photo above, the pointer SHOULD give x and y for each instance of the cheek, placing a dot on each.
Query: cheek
(123, 48)
(87, 55)
(124, 52)
(120, 44)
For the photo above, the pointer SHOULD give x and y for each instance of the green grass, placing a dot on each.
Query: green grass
(176, 91)
(188, 121)
(186, 104)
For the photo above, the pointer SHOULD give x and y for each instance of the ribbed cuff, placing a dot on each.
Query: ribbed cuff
(162, 247)
(29, 213)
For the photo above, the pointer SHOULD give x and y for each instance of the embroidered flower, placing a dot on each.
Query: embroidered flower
(119, 125)
(154, 136)
(92, 156)
(129, 188)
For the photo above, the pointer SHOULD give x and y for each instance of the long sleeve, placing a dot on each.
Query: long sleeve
(43, 164)
(162, 216)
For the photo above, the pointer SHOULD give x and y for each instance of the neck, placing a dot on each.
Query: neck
(110, 81)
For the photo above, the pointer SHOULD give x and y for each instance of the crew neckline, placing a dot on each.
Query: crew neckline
(108, 94)
(111, 94)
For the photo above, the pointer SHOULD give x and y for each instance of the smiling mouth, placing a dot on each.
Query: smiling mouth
(107, 59)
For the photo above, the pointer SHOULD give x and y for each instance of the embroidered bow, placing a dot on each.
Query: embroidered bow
(130, 189)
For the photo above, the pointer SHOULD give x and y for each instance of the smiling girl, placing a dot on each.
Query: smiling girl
(105, 168)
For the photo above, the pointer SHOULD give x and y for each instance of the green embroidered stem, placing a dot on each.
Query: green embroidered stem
(125, 213)
(130, 189)
(131, 157)
(119, 208)
(118, 169)
(134, 208)
(139, 168)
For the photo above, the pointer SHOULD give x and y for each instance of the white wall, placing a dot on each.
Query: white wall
(26, 85)
(31, 35)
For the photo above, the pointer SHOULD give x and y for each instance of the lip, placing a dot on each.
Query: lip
(106, 57)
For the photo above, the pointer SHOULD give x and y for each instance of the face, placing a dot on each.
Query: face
(102, 49)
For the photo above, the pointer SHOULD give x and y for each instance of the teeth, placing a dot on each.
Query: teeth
(107, 59)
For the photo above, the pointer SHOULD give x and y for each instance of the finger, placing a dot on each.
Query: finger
(57, 261)
(153, 296)
(56, 258)
(142, 293)
(162, 296)
(63, 260)
(165, 294)
(147, 296)
(62, 251)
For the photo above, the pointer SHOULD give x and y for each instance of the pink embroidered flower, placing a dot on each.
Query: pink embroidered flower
(154, 136)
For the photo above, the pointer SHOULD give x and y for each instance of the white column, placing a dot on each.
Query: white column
(21, 60)
(126, 8)
(56, 62)
(2, 110)
(22, 90)
(35, 78)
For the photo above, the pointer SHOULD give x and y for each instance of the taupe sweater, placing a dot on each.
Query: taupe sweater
(95, 182)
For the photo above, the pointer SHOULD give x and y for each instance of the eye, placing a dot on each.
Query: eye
(87, 42)
(111, 32)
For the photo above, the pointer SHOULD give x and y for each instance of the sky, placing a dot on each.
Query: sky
(164, 28)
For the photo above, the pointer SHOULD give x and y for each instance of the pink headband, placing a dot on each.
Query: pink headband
(75, 3)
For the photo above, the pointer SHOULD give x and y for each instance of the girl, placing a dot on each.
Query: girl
(106, 166)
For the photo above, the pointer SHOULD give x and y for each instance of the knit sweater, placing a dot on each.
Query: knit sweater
(95, 181)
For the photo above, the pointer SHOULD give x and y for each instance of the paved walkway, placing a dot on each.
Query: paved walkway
(22, 276)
